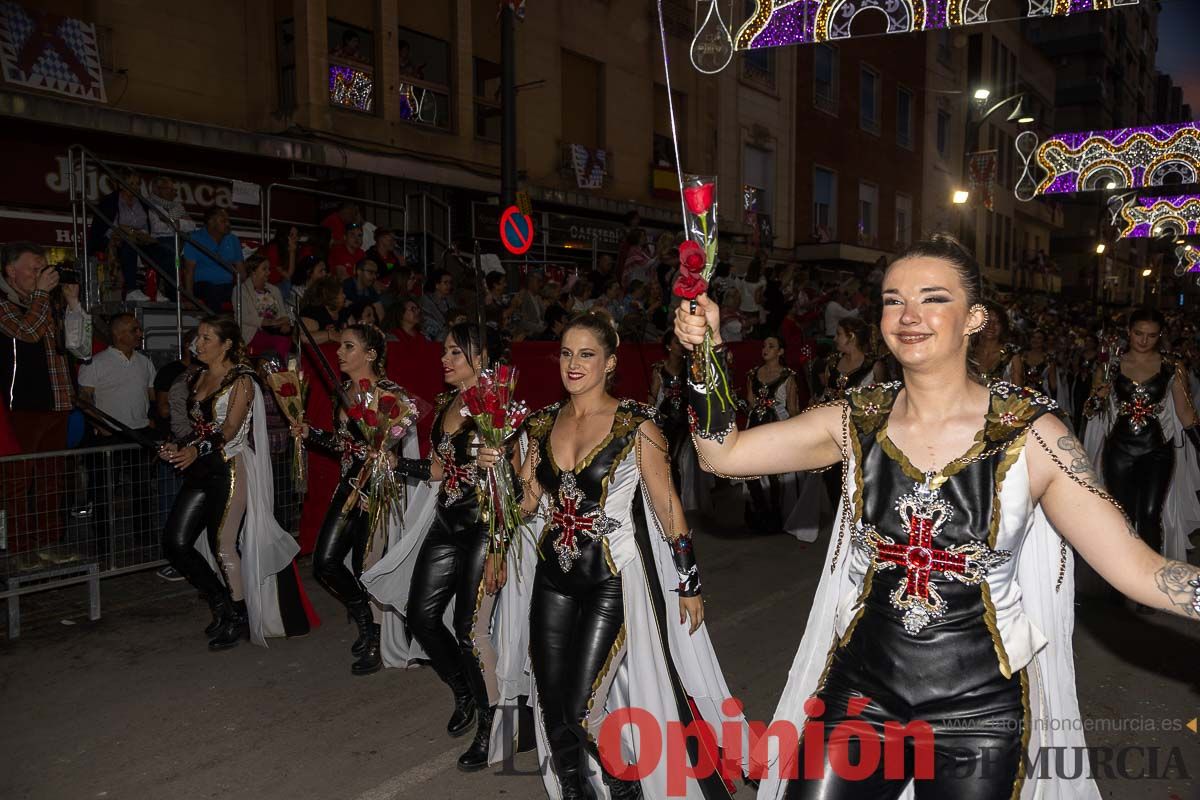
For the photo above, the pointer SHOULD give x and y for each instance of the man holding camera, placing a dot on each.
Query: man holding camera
(37, 325)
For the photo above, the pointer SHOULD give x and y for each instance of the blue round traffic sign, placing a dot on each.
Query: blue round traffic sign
(516, 231)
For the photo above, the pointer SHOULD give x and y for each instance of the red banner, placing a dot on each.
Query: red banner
(982, 167)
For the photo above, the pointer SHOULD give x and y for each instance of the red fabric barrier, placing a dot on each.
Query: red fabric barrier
(416, 366)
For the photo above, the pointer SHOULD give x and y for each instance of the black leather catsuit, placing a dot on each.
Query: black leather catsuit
(766, 502)
(345, 533)
(203, 504)
(576, 616)
(1138, 461)
(450, 563)
(944, 671)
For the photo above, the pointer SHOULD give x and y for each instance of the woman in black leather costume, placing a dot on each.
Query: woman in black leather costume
(449, 565)
(220, 463)
(597, 523)
(945, 600)
(1138, 460)
(362, 356)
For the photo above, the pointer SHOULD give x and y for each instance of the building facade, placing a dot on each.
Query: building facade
(398, 103)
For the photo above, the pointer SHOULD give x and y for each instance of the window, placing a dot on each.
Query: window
(285, 47)
(351, 67)
(664, 149)
(868, 99)
(424, 71)
(824, 204)
(825, 79)
(758, 178)
(489, 115)
(903, 220)
(943, 47)
(758, 66)
(582, 101)
(943, 133)
(904, 118)
(868, 213)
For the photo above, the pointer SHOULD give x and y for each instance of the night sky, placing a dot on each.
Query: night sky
(1178, 26)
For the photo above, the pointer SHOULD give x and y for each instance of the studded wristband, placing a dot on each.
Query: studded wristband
(323, 439)
(710, 412)
(683, 553)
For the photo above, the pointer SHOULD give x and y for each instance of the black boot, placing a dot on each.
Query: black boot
(526, 738)
(371, 660)
(476, 757)
(464, 706)
(234, 628)
(360, 612)
(220, 605)
(573, 788)
(623, 790)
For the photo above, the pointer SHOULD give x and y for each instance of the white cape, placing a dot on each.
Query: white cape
(266, 548)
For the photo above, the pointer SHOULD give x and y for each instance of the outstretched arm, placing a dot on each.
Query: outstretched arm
(1062, 478)
(807, 441)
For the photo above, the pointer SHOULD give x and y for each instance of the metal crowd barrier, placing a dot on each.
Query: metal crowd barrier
(76, 516)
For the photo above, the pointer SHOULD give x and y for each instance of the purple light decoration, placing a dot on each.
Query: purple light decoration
(1146, 214)
(1117, 138)
(796, 22)
(350, 88)
(1131, 158)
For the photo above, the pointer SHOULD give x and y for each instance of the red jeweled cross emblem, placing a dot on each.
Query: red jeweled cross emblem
(571, 523)
(923, 513)
(454, 477)
(1139, 410)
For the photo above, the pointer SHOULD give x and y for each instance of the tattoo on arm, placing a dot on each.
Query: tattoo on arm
(1180, 583)
(1080, 463)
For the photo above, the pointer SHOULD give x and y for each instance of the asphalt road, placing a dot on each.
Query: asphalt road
(134, 706)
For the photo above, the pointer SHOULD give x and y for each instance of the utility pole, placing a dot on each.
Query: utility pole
(508, 102)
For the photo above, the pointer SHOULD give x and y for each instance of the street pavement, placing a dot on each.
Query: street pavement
(134, 706)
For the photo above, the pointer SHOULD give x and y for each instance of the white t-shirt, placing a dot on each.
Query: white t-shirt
(121, 385)
(835, 312)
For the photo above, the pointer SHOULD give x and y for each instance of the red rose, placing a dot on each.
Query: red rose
(699, 199)
(691, 257)
(498, 418)
(689, 286)
(371, 417)
(386, 403)
(364, 384)
(355, 412)
(287, 390)
(394, 412)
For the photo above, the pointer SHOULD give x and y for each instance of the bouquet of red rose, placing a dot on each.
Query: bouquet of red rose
(290, 389)
(384, 417)
(498, 416)
(697, 261)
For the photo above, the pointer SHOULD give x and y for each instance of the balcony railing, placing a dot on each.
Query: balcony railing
(351, 85)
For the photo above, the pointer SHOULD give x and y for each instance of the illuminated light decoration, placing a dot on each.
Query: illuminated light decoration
(775, 23)
(351, 87)
(1189, 261)
(1148, 217)
(1129, 158)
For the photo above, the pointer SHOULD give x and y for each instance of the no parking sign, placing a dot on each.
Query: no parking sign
(516, 231)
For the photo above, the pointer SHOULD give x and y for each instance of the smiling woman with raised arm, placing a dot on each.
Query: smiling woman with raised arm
(604, 630)
(948, 585)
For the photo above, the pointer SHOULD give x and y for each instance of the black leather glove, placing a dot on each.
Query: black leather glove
(711, 412)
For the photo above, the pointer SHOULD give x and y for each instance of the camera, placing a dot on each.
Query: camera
(67, 274)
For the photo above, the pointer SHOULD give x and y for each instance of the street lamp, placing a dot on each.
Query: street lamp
(1019, 115)
(1100, 248)
(1146, 273)
(961, 197)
